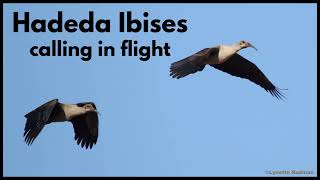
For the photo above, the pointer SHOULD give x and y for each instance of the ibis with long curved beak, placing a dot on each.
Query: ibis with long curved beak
(83, 116)
(226, 59)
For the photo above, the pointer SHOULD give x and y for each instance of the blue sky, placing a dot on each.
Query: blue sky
(207, 124)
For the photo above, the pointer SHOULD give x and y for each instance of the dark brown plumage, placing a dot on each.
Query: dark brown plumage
(193, 63)
(226, 59)
(86, 128)
(83, 117)
(240, 67)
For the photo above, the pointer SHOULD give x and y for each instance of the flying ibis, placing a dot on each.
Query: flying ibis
(83, 116)
(226, 59)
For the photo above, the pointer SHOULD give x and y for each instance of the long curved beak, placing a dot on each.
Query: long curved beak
(250, 45)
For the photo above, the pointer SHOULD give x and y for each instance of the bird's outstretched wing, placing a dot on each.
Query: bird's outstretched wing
(193, 63)
(86, 129)
(243, 68)
(36, 120)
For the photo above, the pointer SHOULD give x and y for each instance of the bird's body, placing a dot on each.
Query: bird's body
(224, 52)
(83, 116)
(72, 110)
(65, 112)
(226, 59)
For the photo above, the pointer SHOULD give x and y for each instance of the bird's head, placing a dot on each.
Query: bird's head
(88, 107)
(245, 44)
